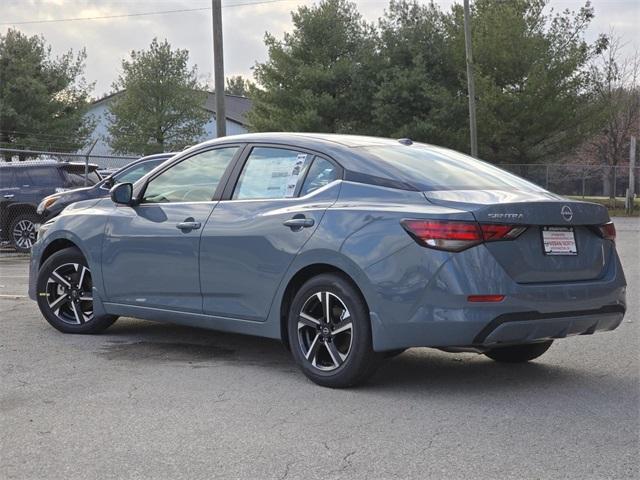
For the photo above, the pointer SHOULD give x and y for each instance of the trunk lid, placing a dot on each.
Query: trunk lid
(524, 258)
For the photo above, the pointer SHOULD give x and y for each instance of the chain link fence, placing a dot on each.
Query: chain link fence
(578, 180)
(27, 176)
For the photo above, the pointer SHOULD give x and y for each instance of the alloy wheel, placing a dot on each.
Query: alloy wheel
(325, 331)
(24, 234)
(69, 293)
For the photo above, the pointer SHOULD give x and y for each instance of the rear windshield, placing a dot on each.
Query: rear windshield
(75, 177)
(442, 169)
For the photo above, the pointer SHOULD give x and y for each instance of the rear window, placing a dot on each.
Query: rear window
(443, 169)
(75, 177)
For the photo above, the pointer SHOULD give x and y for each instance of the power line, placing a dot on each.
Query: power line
(141, 14)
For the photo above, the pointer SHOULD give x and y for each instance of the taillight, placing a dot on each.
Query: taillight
(608, 231)
(485, 298)
(455, 236)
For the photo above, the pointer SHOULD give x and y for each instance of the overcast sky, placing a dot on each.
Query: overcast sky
(107, 41)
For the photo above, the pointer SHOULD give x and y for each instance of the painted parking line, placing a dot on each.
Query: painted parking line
(12, 296)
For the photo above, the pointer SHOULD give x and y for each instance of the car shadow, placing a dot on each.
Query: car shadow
(416, 370)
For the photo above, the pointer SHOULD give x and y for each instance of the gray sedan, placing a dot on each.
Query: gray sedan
(348, 249)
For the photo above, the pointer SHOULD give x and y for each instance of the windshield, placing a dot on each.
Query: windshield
(135, 172)
(443, 169)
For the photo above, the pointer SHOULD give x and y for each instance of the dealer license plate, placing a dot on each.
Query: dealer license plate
(559, 241)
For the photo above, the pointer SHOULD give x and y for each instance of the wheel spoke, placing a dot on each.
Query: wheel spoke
(326, 308)
(75, 313)
(86, 298)
(307, 321)
(82, 272)
(313, 349)
(60, 279)
(343, 326)
(336, 356)
(59, 301)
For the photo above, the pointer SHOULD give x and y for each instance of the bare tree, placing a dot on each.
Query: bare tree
(617, 93)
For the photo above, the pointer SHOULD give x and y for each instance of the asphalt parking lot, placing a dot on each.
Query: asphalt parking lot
(147, 400)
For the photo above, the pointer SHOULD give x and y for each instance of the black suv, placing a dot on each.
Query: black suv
(23, 185)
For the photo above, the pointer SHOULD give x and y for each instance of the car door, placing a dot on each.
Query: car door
(151, 250)
(255, 232)
(8, 190)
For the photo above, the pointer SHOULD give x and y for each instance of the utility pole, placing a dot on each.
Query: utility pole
(470, 81)
(218, 67)
(632, 180)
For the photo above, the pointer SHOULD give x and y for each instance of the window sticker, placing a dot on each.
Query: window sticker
(292, 181)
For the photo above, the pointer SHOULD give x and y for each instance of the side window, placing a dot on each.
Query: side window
(7, 179)
(270, 173)
(42, 177)
(192, 180)
(321, 173)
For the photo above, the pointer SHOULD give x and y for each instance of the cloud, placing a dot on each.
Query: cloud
(108, 41)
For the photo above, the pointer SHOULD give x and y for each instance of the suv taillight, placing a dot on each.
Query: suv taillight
(454, 236)
(608, 231)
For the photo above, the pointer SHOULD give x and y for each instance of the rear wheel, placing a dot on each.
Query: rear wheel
(518, 353)
(65, 294)
(330, 332)
(23, 233)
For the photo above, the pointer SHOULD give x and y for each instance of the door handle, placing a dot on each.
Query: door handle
(9, 195)
(298, 223)
(187, 225)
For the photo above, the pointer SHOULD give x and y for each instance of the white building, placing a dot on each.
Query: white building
(236, 108)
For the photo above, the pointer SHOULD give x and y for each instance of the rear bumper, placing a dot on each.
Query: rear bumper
(528, 327)
(433, 310)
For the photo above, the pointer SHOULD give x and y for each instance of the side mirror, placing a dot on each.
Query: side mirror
(122, 194)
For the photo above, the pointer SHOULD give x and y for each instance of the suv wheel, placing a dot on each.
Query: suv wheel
(330, 332)
(65, 294)
(23, 232)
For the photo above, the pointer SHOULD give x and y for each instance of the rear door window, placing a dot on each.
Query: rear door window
(322, 172)
(7, 178)
(271, 173)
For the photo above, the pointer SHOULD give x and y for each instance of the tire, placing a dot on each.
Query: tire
(337, 353)
(23, 233)
(65, 292)
(518, 353)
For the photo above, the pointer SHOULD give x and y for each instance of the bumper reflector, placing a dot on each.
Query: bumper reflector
(485, 298)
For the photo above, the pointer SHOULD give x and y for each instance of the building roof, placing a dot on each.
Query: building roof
(236, 106)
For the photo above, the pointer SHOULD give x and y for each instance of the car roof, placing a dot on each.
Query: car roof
(348, 150)
(46, 163)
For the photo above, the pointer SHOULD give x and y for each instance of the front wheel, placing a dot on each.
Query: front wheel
(330, 332)
(518, 353)
(65, 294)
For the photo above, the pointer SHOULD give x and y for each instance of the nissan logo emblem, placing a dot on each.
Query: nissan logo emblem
(566, 213)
